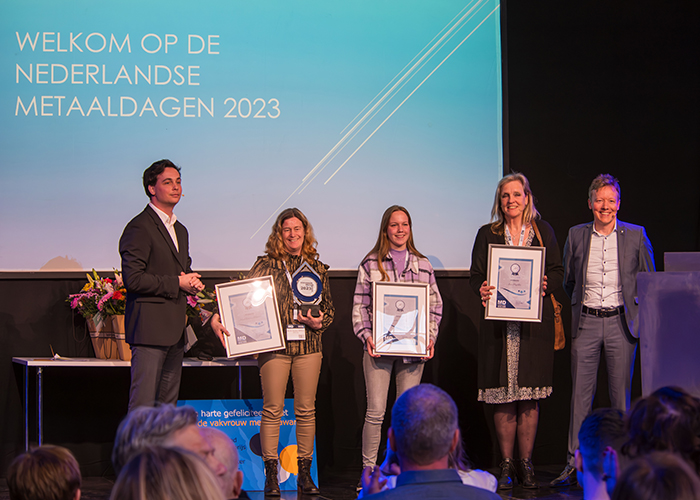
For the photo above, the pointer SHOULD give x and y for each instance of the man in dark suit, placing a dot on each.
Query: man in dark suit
(157, 276)
(601, 262)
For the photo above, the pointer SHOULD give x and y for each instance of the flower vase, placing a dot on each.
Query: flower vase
(102, 337)
(120, 337)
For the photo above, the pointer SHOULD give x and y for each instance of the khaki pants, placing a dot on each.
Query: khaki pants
(274, 374)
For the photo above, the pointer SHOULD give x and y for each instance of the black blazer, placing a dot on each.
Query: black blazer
(155, 304)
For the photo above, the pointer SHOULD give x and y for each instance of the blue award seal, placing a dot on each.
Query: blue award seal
(307, 288)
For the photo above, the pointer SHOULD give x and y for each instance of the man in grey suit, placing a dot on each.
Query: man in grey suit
(157, 275)
(601, 262)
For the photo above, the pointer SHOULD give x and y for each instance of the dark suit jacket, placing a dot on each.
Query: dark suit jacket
(634, 255)
(155, 305)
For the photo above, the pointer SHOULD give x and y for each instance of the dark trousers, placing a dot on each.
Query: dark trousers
(155, 374)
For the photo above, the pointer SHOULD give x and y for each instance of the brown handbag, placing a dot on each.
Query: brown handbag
(559, 337)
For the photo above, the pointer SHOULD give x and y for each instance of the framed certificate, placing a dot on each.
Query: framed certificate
(517, 274)
(248, 310)
(400, 318)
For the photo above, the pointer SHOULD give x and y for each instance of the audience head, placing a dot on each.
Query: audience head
(667, 420)
(602, 433)
(225, 451)
(159, 473)
(423, 426)
(150, 175)
(164, 425)
(658, 475)
(44, 473)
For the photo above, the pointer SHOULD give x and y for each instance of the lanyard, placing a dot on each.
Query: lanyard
(289, 278)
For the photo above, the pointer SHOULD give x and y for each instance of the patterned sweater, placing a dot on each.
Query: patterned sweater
(267, 266)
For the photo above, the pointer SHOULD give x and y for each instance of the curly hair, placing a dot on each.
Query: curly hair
(381, 247)
(529, 213)
(275, 247)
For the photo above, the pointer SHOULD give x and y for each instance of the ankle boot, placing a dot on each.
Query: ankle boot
(527, 474)
(272, 487)
(506, 481)
(305, 485)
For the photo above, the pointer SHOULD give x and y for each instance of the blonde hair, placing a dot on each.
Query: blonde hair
(382, 246)
(529, 213)
(159, 473)
(275, 247)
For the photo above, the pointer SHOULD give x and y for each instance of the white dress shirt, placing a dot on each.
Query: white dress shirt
(603, 289)
(169, 223)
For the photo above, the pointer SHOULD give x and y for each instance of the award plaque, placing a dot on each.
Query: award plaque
(517, 273)
(400, 318)
(307, 288)
(249, 312)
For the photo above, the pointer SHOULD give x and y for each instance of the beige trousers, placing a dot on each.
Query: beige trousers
(274, 374)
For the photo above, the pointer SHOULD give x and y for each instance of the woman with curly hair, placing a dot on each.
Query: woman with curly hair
(291, 243)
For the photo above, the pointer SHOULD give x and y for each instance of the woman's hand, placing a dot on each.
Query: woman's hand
(311, 321)
(431, 351)
(219, 329)
(544, 285)
(370, 347)
(485, 292)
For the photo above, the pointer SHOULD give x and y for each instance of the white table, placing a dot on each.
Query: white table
(41, 363)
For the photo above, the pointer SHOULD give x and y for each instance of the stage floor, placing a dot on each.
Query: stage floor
(341, 486)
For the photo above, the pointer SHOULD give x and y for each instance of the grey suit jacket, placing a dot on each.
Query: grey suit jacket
(634, 255)
(155, 305)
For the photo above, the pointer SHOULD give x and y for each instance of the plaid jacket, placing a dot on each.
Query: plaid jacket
(418, 270)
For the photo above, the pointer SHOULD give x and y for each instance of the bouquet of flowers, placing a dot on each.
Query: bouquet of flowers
(100, 297)
(203, 305)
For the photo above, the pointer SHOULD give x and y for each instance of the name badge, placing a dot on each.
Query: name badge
(296, 332)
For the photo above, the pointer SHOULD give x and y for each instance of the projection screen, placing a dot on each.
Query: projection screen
(338, 108)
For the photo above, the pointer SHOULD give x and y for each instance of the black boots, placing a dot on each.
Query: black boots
(272, 487)
(305, 485)
(526, 474)
(507, 479)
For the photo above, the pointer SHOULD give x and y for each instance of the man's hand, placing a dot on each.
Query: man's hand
(190, 283)
(372, 481)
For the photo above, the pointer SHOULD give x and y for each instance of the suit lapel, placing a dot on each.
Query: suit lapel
(587, 235)
(182, 254)
(621, 239)
(166, 235)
